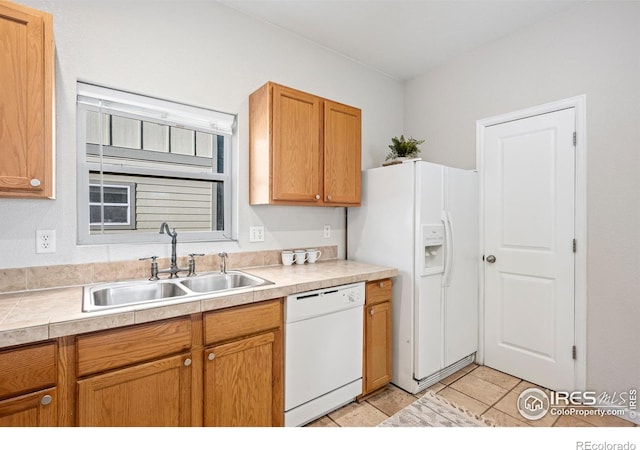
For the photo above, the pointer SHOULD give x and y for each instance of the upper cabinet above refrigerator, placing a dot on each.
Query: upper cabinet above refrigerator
(303, 149)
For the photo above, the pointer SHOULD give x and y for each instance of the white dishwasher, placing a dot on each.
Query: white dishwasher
(323, 351)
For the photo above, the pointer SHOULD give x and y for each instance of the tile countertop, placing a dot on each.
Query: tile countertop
(31, 316)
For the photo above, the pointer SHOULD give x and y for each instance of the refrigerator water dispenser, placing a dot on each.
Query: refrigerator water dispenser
(433, 245)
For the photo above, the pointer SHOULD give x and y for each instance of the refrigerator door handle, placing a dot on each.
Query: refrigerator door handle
(448, 243)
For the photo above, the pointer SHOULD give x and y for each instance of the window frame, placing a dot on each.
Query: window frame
(85, 168)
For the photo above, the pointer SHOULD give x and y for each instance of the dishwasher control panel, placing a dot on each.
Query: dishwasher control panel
(308, 304)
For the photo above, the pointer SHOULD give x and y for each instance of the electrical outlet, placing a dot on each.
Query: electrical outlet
(45, 241)
(256, 234)
(327, 231)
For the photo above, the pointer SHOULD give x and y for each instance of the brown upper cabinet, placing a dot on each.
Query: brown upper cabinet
(303, 149)
(26, 102)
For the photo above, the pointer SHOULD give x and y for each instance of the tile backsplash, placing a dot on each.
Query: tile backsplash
(27, 278)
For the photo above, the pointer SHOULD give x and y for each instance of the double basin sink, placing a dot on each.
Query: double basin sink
(122, 294)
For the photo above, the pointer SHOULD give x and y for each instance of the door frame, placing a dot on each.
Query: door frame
(580, 268)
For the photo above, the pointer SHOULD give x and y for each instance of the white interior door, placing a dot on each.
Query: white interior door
(529, 214)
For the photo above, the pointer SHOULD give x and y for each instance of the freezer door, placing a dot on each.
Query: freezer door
(428, 319)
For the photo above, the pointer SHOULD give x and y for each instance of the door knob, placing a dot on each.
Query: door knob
(491, 259)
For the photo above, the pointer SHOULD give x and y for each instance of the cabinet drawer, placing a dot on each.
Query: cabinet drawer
(27, 369)
(242, 321)
(378, 291)
(110, 349)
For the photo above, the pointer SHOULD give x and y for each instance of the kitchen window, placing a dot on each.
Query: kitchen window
(143, 161)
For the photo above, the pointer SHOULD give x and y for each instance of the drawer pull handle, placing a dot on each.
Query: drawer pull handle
(211, 356)
(187, 362)
(45, 400)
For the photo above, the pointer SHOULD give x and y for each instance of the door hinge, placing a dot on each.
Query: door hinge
(574, 352)
(575, 246)
(575, 138)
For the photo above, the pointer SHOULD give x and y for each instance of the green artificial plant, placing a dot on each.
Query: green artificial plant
(404, 148)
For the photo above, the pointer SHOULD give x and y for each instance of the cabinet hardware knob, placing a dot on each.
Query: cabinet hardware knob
(329, 197)
(317, 196)
(187, 362)
(371, 312)
(381, 284)
(211, 356)
(34, 182)
(45, 400)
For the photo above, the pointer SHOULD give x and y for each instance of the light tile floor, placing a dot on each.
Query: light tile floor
(482, 390)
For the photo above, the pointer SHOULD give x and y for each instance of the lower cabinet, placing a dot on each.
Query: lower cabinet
(137, 376)
(153, 394)
(221, 368)
(377, 336)
(28, 378)
(243, 381)
(238, 383)
(36, 409)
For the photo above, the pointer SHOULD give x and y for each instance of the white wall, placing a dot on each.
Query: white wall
(199, 53)
(594, 50)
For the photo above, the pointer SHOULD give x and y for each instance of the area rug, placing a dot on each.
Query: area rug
(434, 411)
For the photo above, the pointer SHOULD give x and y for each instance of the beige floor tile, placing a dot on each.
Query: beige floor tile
(469, 368)
(509, 405)
(501, 419)
(496, 377)
(453, 377)
(602, 421)
(570, 421)
(526, 385)
(357, 415)
(479, 389)
(391, 399)
(433, 388)
(322, 422)
(463, 401)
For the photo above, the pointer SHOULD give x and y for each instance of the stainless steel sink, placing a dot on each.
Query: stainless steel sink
(122, 294)
(118, 294)
(222, 282)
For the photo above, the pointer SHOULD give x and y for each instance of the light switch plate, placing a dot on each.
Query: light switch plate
(256, 234)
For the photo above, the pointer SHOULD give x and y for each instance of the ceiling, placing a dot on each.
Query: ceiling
(401, 38)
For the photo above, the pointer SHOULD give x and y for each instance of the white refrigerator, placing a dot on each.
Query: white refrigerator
(422, 218)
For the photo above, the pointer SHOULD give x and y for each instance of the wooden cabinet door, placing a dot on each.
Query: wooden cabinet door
(37, 409)
(377, 346)
(153, 394)
(296, 157)
(26, 99)
(342, 154)
(239, 382)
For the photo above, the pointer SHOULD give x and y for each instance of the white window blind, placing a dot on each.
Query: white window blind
(160, 110)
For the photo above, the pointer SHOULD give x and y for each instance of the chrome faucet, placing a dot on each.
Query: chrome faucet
(223, 262)
(173, 270)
